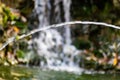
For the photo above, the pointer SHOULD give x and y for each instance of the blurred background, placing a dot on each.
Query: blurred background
(91, 47)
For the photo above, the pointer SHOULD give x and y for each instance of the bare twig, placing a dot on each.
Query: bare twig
(55, 26)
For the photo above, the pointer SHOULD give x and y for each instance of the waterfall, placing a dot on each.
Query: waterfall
(66, 4)
(52, 44)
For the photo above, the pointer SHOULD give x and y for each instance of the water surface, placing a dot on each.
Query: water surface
(25, 73)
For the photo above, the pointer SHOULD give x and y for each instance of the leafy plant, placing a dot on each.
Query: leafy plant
(12, 23)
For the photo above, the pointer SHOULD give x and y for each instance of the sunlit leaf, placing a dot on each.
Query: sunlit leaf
(20, 53)
(17, 37)
(115, 61)
(5, 19)
(16, 29)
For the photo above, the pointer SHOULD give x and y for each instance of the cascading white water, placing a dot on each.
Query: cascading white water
(66, 4)
(57, 51)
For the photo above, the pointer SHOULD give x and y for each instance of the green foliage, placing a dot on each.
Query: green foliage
(6, 15)
(20, 54)
(81, 44)
(11, 24)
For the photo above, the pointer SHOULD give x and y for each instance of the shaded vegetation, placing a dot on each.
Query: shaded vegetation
(103, 46)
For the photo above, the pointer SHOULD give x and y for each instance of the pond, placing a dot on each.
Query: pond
(25, 73)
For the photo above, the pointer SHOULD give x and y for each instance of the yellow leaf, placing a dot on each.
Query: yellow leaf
(115, 61)
(16, 29)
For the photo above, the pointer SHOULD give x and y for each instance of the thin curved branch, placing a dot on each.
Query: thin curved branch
(55, 26)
